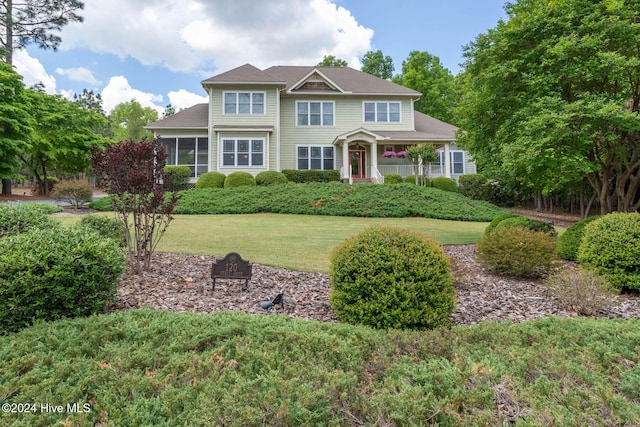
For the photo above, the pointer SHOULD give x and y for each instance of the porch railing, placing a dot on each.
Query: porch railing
(406, 170)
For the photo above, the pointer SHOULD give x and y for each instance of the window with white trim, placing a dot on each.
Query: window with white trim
(310, 113)
(315, 157)
(456, 161)
(192, 152)
(244, 103)
(243, 152)
(381, 112)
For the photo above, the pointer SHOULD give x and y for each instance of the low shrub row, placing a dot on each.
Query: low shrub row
(306, 176)
(365, 200)
(609, 246)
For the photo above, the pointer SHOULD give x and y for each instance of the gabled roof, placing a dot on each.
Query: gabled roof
(245, 74)
(346, 79)
(196, 117)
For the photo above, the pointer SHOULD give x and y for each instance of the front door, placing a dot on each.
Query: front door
(358, 167)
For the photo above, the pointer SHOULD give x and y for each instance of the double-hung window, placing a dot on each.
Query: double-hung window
(315, 157)
(243, 152)
(311, 113)
(456, 161)
(251, 103)
(382, 112)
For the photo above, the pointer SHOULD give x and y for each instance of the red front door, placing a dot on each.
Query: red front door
(358, 167)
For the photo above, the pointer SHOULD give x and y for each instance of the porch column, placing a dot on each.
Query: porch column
(374, 160)
(447, 160)
(345, 161)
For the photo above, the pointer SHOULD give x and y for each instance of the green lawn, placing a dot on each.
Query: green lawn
(298, 242)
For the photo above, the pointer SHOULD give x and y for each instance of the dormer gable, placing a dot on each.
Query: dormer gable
(316, 81)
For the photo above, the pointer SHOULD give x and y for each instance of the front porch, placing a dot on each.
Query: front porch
(363, 157)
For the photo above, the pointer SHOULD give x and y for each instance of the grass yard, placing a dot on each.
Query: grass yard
(298, 242)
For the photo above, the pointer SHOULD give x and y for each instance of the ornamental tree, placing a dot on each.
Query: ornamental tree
(132, 173)
(420, 156)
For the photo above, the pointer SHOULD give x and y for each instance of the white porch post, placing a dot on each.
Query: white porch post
(345, 160)
(374, 160)
(447, 161)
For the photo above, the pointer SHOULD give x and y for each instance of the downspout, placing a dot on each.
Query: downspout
(278, 91)
(210, 132)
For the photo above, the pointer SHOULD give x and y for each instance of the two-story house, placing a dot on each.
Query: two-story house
(291, 117)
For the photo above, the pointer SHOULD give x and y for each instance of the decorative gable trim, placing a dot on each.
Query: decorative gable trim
(316, 81)
(360, 134)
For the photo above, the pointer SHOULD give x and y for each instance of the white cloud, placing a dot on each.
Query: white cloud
(118, 90)
(196, 34)
(183, 99)
(81, 74)
(32, 71)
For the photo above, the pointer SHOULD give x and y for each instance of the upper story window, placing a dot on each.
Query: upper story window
(244, 103)
(315, 113)
(382, 112)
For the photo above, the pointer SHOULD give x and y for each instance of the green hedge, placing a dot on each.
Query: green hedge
(392, 178)
(178, 176)
(306, 176)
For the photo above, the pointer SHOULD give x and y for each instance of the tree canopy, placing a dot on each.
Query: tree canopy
(128, 120)
(15, 120)
(332, 61)
(552, 95)
(61, 138)
(424, 73)
(376, 64)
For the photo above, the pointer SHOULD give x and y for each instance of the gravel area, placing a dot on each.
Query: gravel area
(182, 283)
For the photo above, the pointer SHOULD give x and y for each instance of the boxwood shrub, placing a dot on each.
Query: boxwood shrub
(54, 273)
(497, 220)
(411, 179)
(569, 242)
(392, 178)
(611, 246)
(388, 277)
(239, 179)
(211, 180)
(445, 184)
(529, 224)
(271, 178)
(21, 217)
(517, 251)
(178, 176)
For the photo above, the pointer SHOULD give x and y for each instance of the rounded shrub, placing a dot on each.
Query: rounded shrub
(445, 184)
(497, 220)
(178, 176)
(107, 227)
(392, 178)
(529, 224)
(239, 179)
(271, 178)
(569, 241)
(388, 277)
(474, 186)
(517, 251)
(75, 192)
(21, 217)
(54, 273)
(211, 180)
(611, 246)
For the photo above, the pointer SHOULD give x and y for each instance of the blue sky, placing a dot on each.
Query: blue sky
(158, 52)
